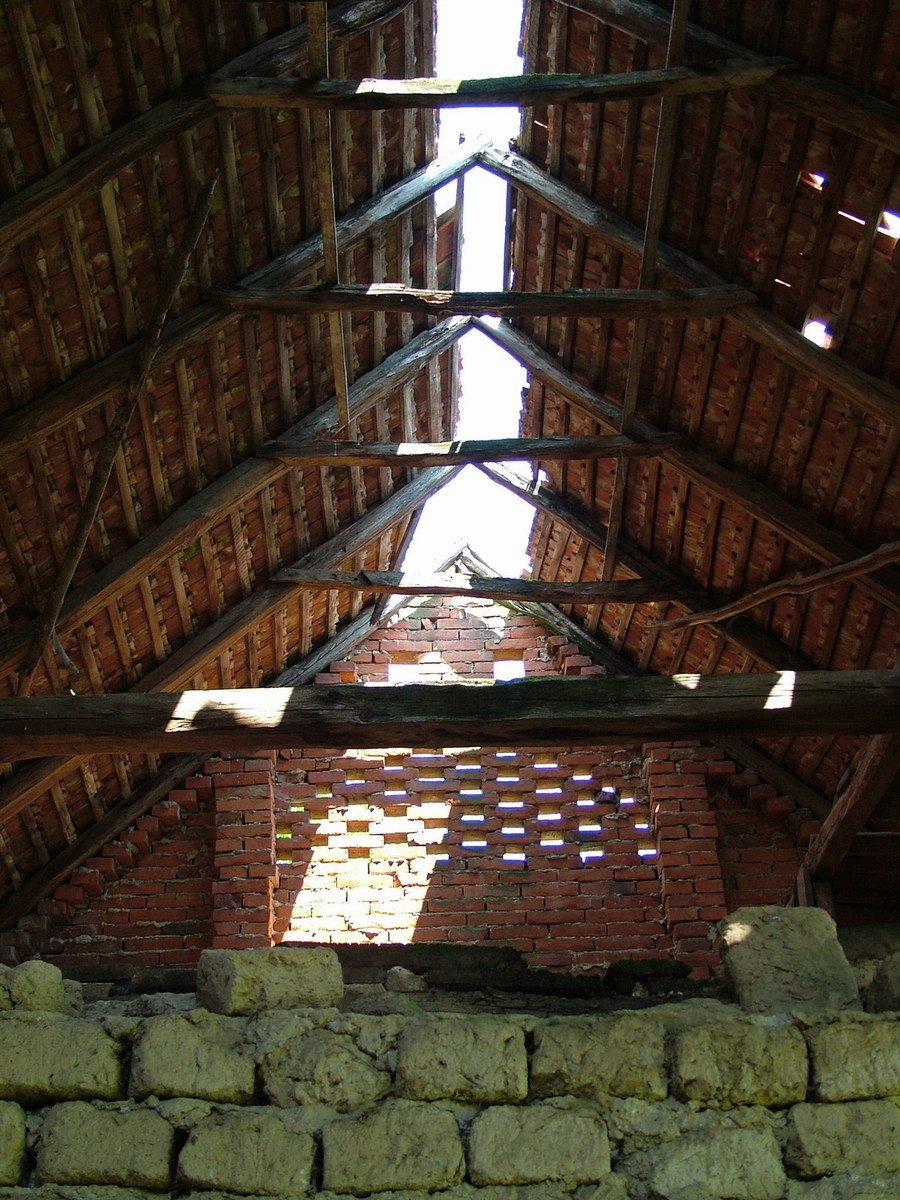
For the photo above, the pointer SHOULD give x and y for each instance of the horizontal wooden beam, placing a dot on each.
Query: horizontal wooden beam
(825, 99)
(103, 381)
(606, 303)
(404, 583)
(537, 712)
(835, 373)
(474, 450)
(23, 214)
(517, 91)
(876, 776)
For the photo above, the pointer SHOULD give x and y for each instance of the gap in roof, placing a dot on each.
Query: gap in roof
(476, 39)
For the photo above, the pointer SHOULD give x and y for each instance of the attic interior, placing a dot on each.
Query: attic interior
(232, 316)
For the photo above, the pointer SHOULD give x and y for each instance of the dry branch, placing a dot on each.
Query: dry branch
(874, 561)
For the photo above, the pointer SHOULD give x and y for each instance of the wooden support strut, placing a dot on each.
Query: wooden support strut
(601, 712)
(602, 303)
(376, 95)
(436, 454)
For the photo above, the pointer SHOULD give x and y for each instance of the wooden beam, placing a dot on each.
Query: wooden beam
(602, 303)
(404, 583)
(760, 501)
(202, 511)
(802, 586)
(103, 381)
(755, 642)
(474, 450)
(24, 213)
(518, 91)
(773, 772)
(181, 667)
(598, 712)
(876, 776)
(868, 393)
(124, 814)
(825, 99)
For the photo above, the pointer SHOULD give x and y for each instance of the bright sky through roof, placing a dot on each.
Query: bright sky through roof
(476, 39)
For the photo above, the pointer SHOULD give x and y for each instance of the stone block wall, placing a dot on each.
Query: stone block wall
(243, 1091)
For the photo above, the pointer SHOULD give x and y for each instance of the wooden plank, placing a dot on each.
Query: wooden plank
(404, 583)
(867, 392)
(825, 99)
(202, 511)
(474, 450)
(528, 91)
(599, 712)
(24, 213)
(603, 303)
(876, 775)
(760, 501)
(103, 381)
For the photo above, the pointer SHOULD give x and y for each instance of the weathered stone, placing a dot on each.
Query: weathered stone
(398, 979)
(883, 993)
(863, 1136)
(739, 1064)
(618, 1056)
(397, 1145)
(722, 1165)
(787, 959)
(321, 1067)
(249, 1152)
(80, 1144)
(541, 1144)
(202, 1056)
(478, 1060)
(843, 1187)
(36, 986)
(57, 1058)
(68, 1192)
(639, 1125)
(12, 1142)
(236, 982)
(855, 1059)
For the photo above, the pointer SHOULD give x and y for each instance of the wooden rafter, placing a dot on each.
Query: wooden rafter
(404, 583)
(101, 382)
(467, 450)
(876, 775)
(601, 303)
(202, 511)
(598, 712)
(181, 667)
(756, 498)
(825, 99)
(374, 95)
(73, 182)
(865, 391)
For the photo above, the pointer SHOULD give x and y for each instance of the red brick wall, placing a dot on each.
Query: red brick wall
(575, 857)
